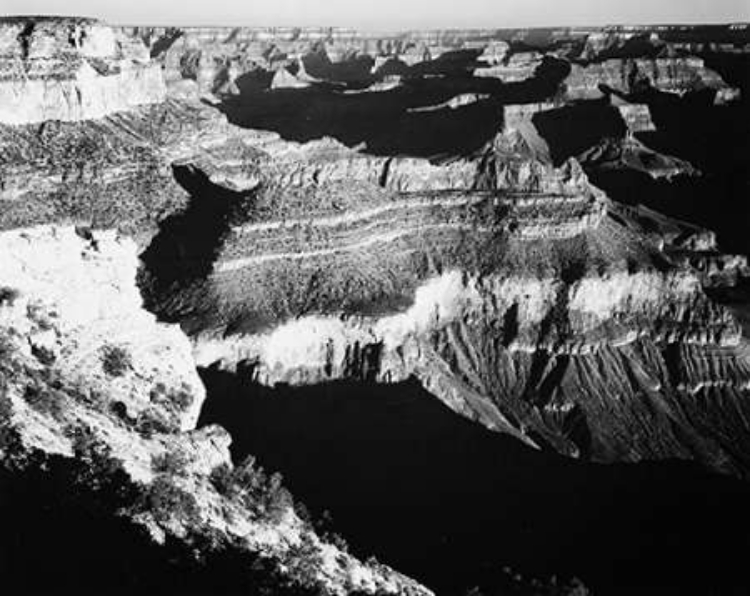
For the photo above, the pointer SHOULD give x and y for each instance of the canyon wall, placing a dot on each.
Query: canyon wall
(73, 69)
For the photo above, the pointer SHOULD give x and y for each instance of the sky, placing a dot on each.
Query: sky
(391, 13)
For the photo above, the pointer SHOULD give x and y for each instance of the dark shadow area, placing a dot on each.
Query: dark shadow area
(715, 139)
(450, 503)
(714, 202)
(185, 248)
(353, 70)
(60, 538)
(381, 119)
(573, 129)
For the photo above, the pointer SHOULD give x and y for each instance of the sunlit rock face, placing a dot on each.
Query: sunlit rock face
(637, 116)
(631, 154)
(508, 293)
(85, 366)
(73, 69)
(678, 75)
(515, 68)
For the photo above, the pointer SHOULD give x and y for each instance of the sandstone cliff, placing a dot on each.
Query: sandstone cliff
(75, 69)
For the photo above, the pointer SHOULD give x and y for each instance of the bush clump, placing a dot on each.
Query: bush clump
(8, 296)
(45, 400)
(180, 399)
(171, 463)
(116, 361)
(258, 492)
(166, 501)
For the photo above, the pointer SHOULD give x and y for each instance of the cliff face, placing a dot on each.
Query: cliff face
(71, 70)
(88, 374)
(508, 294)
(678, 75)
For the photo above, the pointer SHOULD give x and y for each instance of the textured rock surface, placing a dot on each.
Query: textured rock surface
(631, 154)
(495, 273)
(513, 69)
(497, 296)
(80, 355)
(74, 69)
(678, 75)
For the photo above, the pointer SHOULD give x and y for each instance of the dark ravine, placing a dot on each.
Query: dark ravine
(405, 477)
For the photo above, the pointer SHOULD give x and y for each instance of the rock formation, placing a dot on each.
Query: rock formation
(515, 68)
(83, 361)
(498, 276)
(71, 70)
(678, 75)
(629, 153)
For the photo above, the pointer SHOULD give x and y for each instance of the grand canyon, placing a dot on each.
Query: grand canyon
(328, 311)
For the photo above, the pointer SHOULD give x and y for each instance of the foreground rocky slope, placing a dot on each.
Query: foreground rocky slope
(88, 374)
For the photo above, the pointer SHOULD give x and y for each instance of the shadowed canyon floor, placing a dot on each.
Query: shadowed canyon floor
(449, 503)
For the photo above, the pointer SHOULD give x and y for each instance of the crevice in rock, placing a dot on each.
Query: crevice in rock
(184, 250)
(24, 39)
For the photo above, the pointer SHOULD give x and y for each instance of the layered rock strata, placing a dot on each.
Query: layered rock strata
(74, 69)
(508, 299)
(678, 75)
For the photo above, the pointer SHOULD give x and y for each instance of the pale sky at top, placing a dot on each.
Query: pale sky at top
(391, 13)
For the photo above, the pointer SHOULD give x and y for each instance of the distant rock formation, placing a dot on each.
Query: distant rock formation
(678, 75)
(637, 116)
(630, 153)
(71, 70)
(515, 68)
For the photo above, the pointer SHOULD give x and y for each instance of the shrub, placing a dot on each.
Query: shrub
(44, 400)
(170, 462)
(8, 296)
(264, 495)
(181, 398)
(7, 348)
(11, 445)
(97, 469)
(222, 479)
(304, 561)
(149, 423)
(165, 500)
(44, 355)
(116, 361)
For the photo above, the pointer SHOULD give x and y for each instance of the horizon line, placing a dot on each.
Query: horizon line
(376, 28)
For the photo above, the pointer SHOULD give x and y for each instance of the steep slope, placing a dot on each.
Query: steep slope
(88, 374)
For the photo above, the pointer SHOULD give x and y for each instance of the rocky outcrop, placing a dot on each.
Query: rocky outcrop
(74, 69)
(458, 101)
(88, 375)
(217, 57)
(630, 154)
(637, 116)
(516, 67)
(504, 289)
(678, 75)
